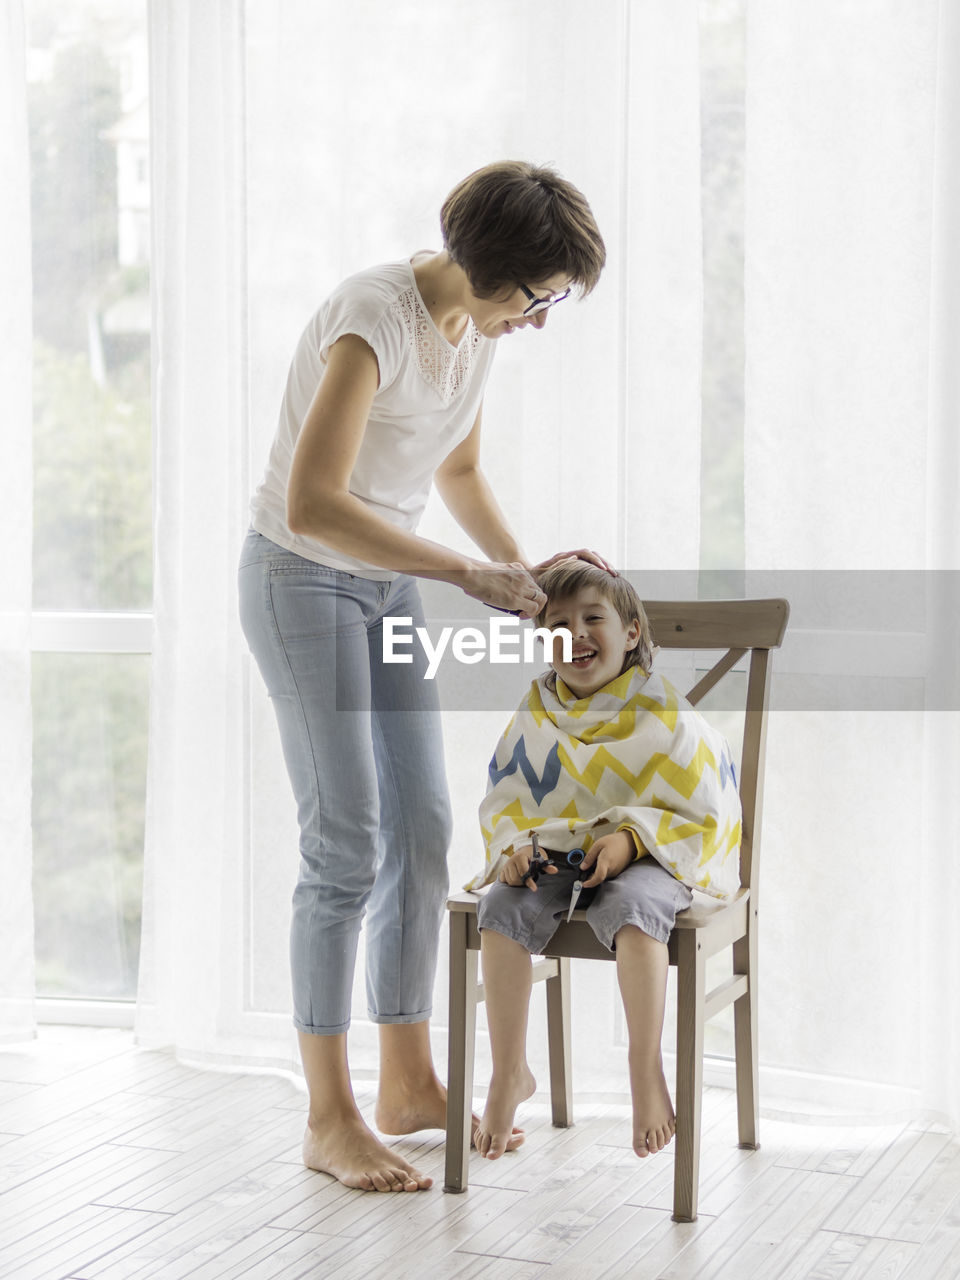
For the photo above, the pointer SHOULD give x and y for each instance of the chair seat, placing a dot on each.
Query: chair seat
(704, 911)
(720, 923)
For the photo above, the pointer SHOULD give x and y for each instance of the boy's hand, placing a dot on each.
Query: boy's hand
(608, 856)
(518, 866)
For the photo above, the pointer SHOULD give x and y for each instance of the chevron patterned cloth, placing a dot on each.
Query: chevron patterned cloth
(635, 754)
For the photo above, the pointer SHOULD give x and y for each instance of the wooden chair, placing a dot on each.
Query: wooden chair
(741, 627)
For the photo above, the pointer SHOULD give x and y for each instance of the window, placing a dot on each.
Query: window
(87, 73)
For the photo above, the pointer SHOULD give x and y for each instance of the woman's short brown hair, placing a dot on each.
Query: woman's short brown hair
(570, 577)
(515, 223)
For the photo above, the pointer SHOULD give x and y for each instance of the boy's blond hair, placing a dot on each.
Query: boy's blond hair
(567, 579)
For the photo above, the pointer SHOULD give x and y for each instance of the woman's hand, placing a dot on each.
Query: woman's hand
(510, 587)
(518, 866)
(608, 856)
(583, 553)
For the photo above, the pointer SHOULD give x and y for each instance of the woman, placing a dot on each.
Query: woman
(384, 397)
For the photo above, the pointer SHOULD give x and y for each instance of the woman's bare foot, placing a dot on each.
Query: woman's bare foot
(399, 1111)
(654, 1121)
(491, 1136)
(357, 1158)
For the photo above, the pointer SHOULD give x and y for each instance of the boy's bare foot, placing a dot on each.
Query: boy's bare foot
(357, 1158)
(654, 1121)
(399, 1112)
(492, 1134)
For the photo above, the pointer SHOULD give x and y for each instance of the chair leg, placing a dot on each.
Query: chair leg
(691, 990)
(462, 1030)
(558, 1039)
(745, 1038)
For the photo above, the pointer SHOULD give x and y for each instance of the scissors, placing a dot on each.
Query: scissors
(577, 888)
(537, 862)
(540, 860)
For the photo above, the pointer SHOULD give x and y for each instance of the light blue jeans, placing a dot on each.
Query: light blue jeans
(363, 747)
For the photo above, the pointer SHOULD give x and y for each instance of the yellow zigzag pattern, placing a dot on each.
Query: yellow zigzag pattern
(601, 760)
(524, 821)
(535, 707)
(683, 778)
(713, 841)
(616, 689)
(625, 723)
(623, 726)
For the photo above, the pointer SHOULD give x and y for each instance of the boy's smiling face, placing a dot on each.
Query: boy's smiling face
(600, 640)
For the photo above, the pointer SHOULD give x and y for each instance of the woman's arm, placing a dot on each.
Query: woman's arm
(469, 499)
(320, 505)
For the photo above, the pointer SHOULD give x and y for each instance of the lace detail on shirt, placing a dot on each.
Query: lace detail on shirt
(444, 367)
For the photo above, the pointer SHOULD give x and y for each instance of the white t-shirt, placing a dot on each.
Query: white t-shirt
(428, 399)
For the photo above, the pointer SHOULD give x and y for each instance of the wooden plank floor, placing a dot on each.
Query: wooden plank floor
(121, 1164)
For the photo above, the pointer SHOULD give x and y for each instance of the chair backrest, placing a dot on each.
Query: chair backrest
(740, 627)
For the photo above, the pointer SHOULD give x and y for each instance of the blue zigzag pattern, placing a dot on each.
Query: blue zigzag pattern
(539, 786)
(727, 770)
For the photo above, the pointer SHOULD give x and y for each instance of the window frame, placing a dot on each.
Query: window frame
(89, 633)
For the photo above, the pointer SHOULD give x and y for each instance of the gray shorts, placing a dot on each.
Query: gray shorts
(644, 894)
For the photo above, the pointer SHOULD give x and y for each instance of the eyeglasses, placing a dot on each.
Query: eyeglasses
(541, 304)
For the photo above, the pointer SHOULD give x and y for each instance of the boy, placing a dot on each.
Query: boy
(604, 757)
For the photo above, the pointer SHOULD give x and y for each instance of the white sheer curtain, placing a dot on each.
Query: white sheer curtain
(16, 528)
(940, 957)
(851, 474)
(293, 144)
(194, 957)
